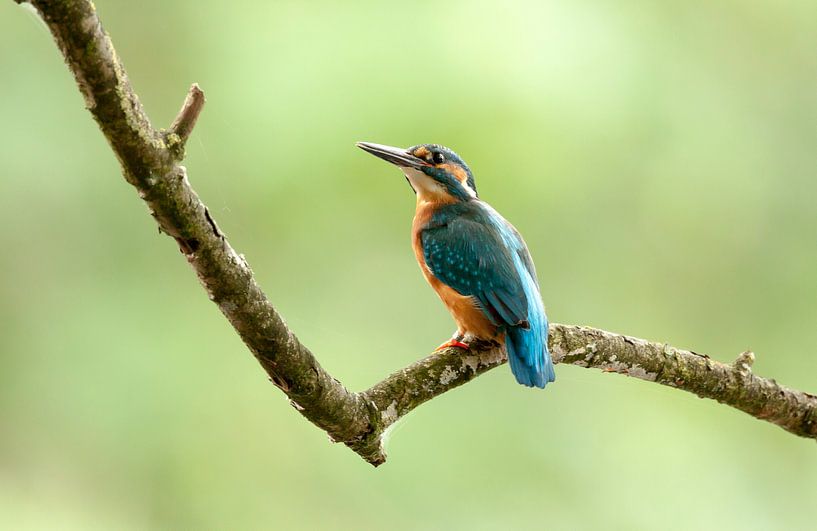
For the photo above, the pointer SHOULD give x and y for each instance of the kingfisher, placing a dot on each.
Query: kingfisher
(475, 260)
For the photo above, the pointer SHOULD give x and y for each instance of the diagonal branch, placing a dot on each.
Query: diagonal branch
(150, 161)
(734, 384)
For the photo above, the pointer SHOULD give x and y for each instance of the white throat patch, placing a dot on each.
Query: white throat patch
(422, 183)
(428, 188)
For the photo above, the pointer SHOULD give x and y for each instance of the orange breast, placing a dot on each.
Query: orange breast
(468, 316)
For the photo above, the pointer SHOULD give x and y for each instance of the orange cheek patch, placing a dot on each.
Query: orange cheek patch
(421, 153)
(456, 171)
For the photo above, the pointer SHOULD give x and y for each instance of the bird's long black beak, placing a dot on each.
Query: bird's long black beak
(397, 156)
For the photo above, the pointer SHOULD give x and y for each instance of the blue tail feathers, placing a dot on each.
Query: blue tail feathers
(528, 354)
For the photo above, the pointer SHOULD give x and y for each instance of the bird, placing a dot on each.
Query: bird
(474, 259)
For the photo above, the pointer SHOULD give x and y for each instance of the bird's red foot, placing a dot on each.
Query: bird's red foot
(454, 343)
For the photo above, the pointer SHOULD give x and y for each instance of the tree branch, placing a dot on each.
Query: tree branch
(150, 162)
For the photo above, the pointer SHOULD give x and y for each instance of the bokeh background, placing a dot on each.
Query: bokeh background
(659, 158)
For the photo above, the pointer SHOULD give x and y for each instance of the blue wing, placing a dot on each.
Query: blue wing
(472, 258)
(480, 255)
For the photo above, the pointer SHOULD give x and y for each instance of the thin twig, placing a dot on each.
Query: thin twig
(186, 119)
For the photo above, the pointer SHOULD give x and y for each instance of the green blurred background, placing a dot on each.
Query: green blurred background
(659, 158)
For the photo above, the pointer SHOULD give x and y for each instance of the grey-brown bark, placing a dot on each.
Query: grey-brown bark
(151, 160)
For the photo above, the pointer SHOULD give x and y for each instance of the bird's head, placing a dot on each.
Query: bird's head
(434, 172)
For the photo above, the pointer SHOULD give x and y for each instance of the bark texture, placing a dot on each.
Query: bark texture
(151, 162)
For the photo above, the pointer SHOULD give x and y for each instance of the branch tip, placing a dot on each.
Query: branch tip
(185, 121)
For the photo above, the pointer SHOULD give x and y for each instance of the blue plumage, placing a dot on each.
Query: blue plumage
(474, 259)
(474, 250)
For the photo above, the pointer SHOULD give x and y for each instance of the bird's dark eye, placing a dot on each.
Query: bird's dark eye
(438, 158)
